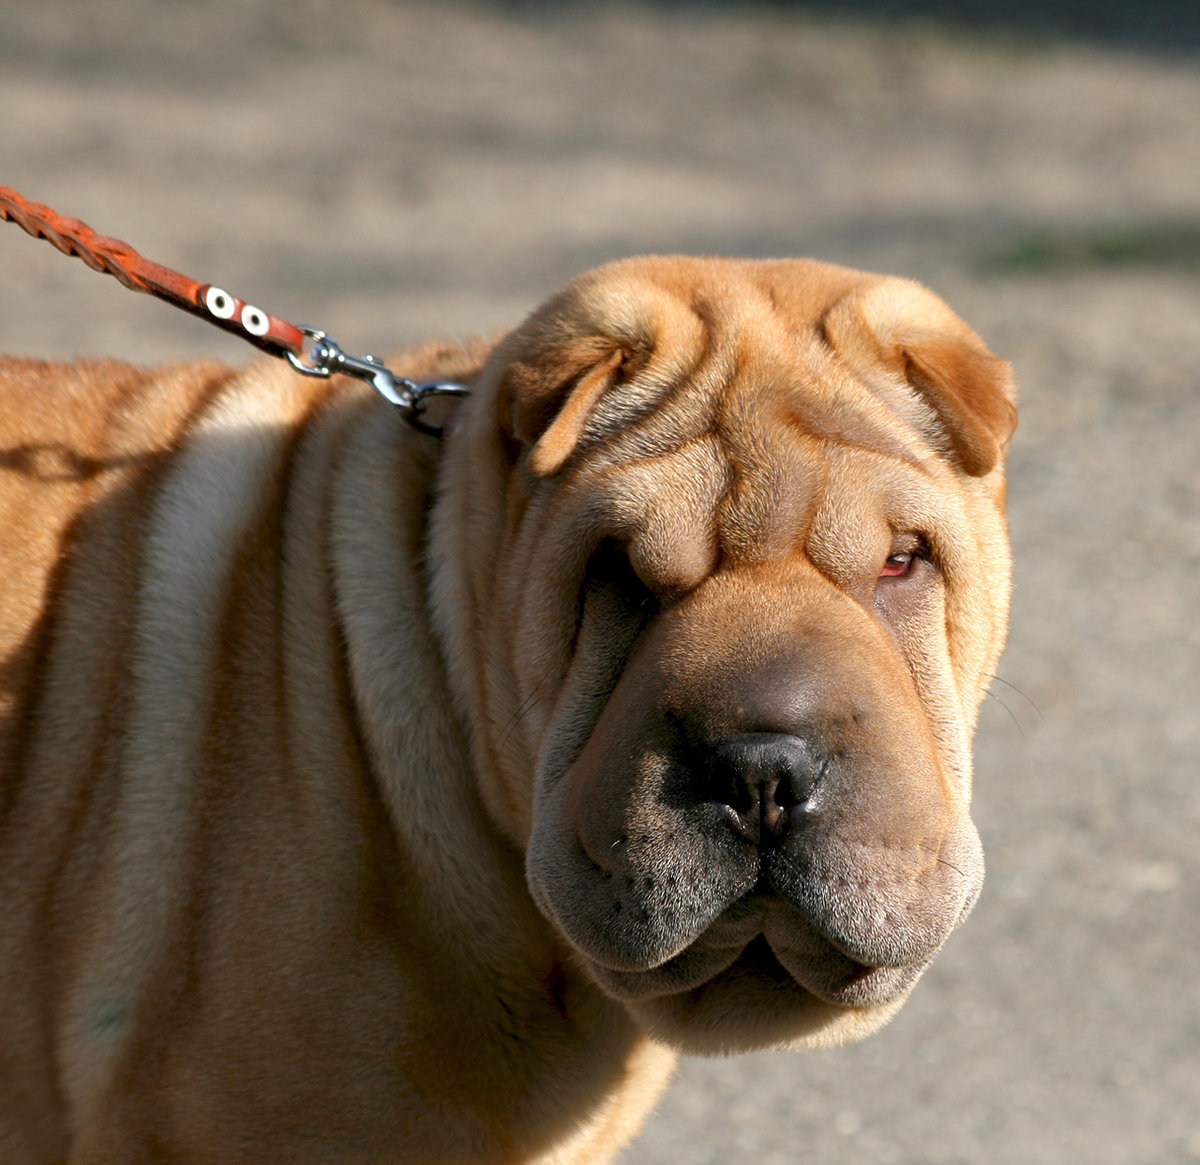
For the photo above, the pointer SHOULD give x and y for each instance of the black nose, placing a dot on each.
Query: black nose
(766, 781)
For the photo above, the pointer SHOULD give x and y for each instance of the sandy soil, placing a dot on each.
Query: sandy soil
(392, 170)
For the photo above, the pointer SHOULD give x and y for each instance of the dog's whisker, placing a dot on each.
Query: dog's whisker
(1024, 696)
(1025, 751)
(1016, 723)
(526, 706)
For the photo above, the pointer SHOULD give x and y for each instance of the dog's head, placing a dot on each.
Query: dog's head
(747, 578)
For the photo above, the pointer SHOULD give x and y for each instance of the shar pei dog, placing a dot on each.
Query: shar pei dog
(369, 797)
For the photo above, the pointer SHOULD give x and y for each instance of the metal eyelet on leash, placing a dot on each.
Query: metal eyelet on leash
(309, 351)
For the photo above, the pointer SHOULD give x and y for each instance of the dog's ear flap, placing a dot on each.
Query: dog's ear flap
(546, 401)
(909, 330)
(971, 391)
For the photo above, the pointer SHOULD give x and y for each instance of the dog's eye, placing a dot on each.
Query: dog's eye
(907, 552)
(897, 565)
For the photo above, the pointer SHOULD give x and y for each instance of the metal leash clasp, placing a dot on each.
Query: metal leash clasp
(323, 356)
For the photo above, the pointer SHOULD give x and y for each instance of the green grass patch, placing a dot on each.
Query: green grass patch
(1162, 245)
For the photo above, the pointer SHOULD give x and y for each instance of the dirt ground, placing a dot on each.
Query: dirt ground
(392, 170)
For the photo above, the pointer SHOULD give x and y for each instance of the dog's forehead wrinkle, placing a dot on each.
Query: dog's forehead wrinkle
(772, 506)
(844, 413)
(775, 479)
(810, 384)
(778, 469)
(620, 438)
(739, 361)
(687, 478)
(671, 400)
(623, 412)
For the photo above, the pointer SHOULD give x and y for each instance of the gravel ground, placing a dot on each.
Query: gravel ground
(392, 170)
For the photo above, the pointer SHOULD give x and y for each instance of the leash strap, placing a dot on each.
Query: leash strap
(113, 257)
(310, 351)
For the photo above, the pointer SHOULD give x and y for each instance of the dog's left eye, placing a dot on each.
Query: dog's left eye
(897, 565)
(906, 553)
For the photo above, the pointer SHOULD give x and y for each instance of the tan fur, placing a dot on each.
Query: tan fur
(327, 749)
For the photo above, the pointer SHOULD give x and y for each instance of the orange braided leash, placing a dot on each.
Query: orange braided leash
(120, 260)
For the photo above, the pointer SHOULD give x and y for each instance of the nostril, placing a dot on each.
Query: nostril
(762, 778)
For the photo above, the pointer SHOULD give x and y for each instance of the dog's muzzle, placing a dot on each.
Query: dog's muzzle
(778, 816)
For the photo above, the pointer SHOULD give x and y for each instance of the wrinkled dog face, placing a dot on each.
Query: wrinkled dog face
(776, 488)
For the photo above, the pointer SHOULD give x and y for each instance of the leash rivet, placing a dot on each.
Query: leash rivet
(255, 321)
(220, 303)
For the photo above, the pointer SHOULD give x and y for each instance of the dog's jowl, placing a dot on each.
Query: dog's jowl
(370, 797)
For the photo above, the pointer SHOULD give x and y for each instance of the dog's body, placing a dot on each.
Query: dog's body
(366, 800)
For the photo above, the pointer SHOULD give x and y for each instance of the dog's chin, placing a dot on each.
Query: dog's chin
(755, 1002)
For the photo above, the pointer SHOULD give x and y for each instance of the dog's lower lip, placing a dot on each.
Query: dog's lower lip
(861, 973)
(857, 979)
(759, 959)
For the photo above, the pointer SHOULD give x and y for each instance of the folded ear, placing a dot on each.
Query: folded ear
(972, 393)
(908, 330)
(550, 396)
(597, 334)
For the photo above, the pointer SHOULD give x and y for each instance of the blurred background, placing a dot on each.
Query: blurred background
(393, 170)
